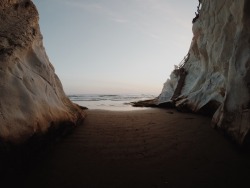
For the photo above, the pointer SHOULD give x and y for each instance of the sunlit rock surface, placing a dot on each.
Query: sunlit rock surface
(217, 68)
(32, 100)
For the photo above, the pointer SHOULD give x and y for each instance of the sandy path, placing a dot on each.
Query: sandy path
(149, 148)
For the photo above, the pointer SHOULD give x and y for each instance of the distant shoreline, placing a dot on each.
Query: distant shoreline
(112, 102)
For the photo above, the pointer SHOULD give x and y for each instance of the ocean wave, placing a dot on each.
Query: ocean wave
(100, 97)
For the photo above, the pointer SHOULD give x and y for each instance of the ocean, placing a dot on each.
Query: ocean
(109, 102)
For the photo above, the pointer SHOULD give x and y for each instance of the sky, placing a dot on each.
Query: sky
(115, 46)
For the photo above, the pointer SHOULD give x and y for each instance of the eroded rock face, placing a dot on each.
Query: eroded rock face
(32, 99)
(218, 67)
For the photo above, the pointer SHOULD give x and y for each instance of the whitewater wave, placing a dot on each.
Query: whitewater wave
(109, 102)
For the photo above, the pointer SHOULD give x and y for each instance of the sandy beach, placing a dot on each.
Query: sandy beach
(145, 148)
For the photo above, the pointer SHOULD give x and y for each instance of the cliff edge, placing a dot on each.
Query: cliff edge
(215, 75)
(32, 100)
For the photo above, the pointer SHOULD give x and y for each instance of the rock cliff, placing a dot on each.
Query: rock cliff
(32, 100)
(215, 75)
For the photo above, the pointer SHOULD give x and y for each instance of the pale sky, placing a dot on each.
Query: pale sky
(115, 46)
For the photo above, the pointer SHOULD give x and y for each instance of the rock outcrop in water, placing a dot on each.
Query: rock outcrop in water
(32, 100)
(215, 75)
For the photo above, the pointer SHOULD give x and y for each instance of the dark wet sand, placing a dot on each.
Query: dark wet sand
(148, 148)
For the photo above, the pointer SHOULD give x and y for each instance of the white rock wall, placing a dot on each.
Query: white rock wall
(218, 67)
(32, 99)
